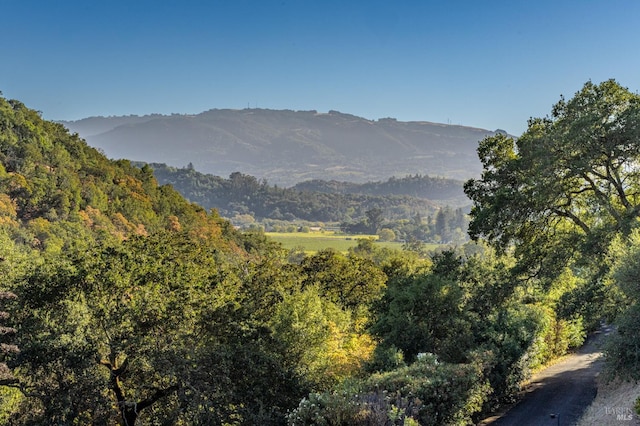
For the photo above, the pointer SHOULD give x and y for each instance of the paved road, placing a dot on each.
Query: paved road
(559, 394)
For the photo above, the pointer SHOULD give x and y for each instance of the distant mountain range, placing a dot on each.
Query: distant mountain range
(287, 147)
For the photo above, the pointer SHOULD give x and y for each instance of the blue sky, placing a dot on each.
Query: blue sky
(488, 64)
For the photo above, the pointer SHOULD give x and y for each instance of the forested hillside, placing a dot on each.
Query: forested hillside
(55, 191)
(419, 186)
(244, 194)
(357, 208)
(122, 303)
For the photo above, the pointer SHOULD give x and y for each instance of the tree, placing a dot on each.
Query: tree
(622, 350)
(153, 327)
(352, 282)
(567, 184)
(375, 217)
(7, 349)
(323, 341)
(422, 312)
(12, 261)
(442, 224)
(386, 234)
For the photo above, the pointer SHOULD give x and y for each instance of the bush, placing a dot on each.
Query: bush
(622, 351)
(386, 234)
(427, 393)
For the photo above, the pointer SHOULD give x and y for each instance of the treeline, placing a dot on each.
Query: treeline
(124, 304)
(244, 194)
(418, 186)
(56, 192)
(404, 206)
(447, 226)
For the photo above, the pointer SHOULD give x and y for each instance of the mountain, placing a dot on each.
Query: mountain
(286, 147)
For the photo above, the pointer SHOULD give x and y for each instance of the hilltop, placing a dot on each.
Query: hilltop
(286, 147)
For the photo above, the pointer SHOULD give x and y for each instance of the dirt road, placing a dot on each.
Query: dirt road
(558, 395)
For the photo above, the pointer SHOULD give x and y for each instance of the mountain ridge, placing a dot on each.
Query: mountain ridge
(287, 147)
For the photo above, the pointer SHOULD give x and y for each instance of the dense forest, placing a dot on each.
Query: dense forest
(418, 186)
(245, 194)
(414, 208)
(122, 303)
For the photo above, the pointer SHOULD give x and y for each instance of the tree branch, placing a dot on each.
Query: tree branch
(604, 200)
(575, 219)
(160, 393)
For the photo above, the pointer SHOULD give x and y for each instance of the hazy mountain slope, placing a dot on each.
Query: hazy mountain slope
(95, 125)
(287, 147)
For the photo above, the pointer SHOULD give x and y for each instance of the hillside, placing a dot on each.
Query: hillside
(436, 189)
(286, 147)
(56, 191)
(313, 200)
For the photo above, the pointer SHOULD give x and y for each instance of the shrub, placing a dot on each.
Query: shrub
(622, 350)
(426, 392)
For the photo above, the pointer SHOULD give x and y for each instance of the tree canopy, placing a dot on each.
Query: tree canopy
(570, 180)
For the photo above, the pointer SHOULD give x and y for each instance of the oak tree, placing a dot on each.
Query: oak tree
(567, 184)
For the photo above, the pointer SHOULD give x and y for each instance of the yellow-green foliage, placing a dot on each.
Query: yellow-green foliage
(428, 393)
(312, 242)
(9, 401)
(556, 335)
(55, 183)
(324, 341)
(622, 351)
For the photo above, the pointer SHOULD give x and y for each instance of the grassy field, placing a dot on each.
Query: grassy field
(315, 241)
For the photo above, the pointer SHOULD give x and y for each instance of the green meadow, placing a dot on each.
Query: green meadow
(315, 241)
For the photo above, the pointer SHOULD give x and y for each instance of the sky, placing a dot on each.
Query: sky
(490, 64)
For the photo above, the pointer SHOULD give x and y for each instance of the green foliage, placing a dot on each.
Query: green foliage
(360, 208)
(624, 254)
(349, 281)
(386, 358)
(567, 184)
(343, 408)
(324, 343)
(426, 392)
(447, 393)
(386, 234)
(135, 304)
(556, 198)
(555, 338)
(69, 194)
(311, 200)
(154, 321)
(435, 310)
(421, 315)
(622, 351)
(471, 309)
(506, 350)
(243, 194)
